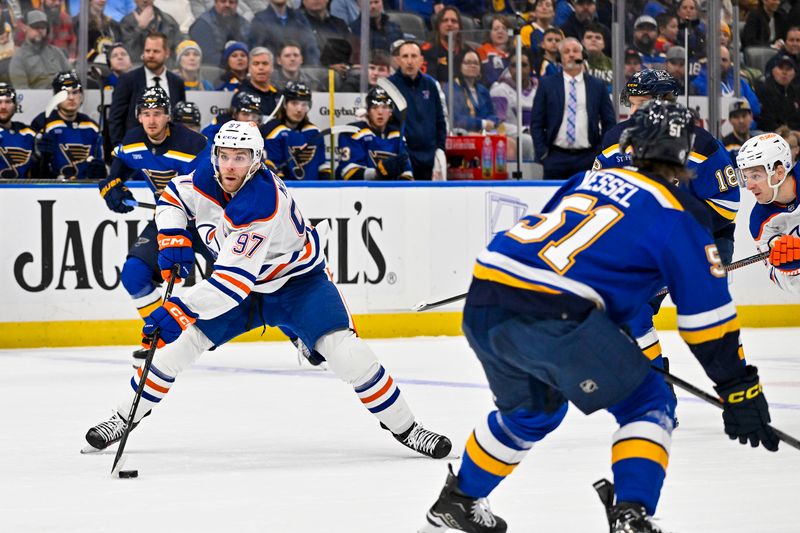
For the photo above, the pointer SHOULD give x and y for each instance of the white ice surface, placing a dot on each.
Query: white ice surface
(248, 441)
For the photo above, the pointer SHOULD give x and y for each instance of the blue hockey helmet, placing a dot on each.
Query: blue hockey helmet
(660, 131)
(650, 82)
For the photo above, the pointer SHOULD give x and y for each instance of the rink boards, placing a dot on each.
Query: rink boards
(390, 246)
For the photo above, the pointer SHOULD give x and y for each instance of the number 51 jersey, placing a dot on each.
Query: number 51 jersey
(615, 237)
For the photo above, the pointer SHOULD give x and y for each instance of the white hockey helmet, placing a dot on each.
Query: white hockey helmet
(767, 150)
(244, 135)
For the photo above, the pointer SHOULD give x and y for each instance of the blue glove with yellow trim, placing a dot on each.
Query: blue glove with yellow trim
(114, 192)
(745, 412)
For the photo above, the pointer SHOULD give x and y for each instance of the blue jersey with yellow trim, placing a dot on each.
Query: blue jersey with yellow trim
(75, 141)
(295, 154)
(615, 237)
(137, 158)
(768, 221)
(362, 150)
(714, 182)
(16, 151)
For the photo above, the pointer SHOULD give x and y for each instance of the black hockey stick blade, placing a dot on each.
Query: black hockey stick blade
(136, 203)
(424, 306)
(713, 400)
(145, 372)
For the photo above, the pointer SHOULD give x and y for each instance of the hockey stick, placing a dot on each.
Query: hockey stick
(424, 306)
(53, 103)
(136, 203)
(274, 111)
(713, 400)
(145, 371)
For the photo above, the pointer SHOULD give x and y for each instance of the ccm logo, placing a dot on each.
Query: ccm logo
(178, 315)
(749, 394)
(167, 242)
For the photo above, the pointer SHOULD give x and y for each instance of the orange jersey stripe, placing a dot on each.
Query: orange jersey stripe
(284, 265)
(233, 281)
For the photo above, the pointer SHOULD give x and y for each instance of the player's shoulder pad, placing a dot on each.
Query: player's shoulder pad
(38, 121)
(759, 216)
(22, 129)
(134, 136)
(256, 201)
(185, 140)
(272, 129)
(85, 122)
(704, 145)
(612, 136)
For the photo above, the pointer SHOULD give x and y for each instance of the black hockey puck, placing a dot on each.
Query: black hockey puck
(128, 473)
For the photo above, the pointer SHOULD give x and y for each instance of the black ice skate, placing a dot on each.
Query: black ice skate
(624, 517)
(106, 433)
(313, 357)
(424, 441)
(454, 510)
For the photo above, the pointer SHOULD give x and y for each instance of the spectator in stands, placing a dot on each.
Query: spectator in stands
(153, 73)
(689, 18)
(100, 25)
(741, 118)
(633, 63)
(780, 98)
(425, 126)
(699, 86)
(654, 8)
(290, 63)
(380, 66)
(36, 62)
(214, 28)
(725, 35)
(545, 58)
(144, 20)
(435, 51)
(667, 32)
(234, 66)
(277, 24)
(494, 52)
(182, 11)
(246, 8)
(333, 35)
(347, 10)
(118, 61)
(504, 99)
(792, 138)
(791, 47)
(60, 30)
(259, 80)
(583, 15)
(598, 64)
(6, 51)
(676, 65)
(189, 59)
(645, 31)
(472, 105)
(571, 112)
(533, 32)
(765, 25)
(382, 31)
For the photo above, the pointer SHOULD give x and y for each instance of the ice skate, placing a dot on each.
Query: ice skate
(313, 357)
(106, 433)
(624, 517)
(424, 441)
(454, 510)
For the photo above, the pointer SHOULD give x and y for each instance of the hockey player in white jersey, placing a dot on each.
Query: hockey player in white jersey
(765, 169)
(269, 270)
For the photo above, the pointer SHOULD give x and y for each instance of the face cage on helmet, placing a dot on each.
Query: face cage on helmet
(254, 166)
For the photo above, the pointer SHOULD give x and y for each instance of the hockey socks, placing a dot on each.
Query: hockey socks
(156, 387)
(639, 459)
(381, 396)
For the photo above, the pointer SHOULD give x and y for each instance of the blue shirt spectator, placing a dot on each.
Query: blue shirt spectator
(279, 23)
(472, 104)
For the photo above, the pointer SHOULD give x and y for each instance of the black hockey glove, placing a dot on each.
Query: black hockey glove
(745, 411)
(114, 192)
(46, 147)
(96, 170)
(391, 167)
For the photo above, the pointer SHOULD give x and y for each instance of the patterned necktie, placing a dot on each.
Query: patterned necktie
(157, 81)
(572, 108)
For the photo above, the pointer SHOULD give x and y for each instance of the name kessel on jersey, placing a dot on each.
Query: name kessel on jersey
(614, 188)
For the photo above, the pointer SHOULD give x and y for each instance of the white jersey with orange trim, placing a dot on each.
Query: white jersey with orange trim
(257, 236)
(768, 221)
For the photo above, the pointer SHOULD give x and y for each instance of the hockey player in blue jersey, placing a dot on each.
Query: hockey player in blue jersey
(765, 169)
(269, 269)
(714, 185)
(188, 114)
(70, 145)
(16, 139)
(155, 151)
(377, 151)
(245, 107)
(545, 312)
(294, 148)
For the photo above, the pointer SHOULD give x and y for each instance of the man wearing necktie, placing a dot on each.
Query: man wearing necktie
(571, 111)
(153, 73)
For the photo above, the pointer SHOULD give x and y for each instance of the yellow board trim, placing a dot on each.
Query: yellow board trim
(486, 461)
(639, 449)
(375, 326)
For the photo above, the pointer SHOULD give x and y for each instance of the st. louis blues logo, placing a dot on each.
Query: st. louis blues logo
(302, 155)
(159, 178)
(11, 158)
(74, 154)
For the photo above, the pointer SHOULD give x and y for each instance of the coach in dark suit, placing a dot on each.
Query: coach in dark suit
(571, 111)
(131, 85)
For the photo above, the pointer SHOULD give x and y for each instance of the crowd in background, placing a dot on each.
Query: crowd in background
(261, 45)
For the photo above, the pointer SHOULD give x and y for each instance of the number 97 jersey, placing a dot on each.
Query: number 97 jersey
(615, 237)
